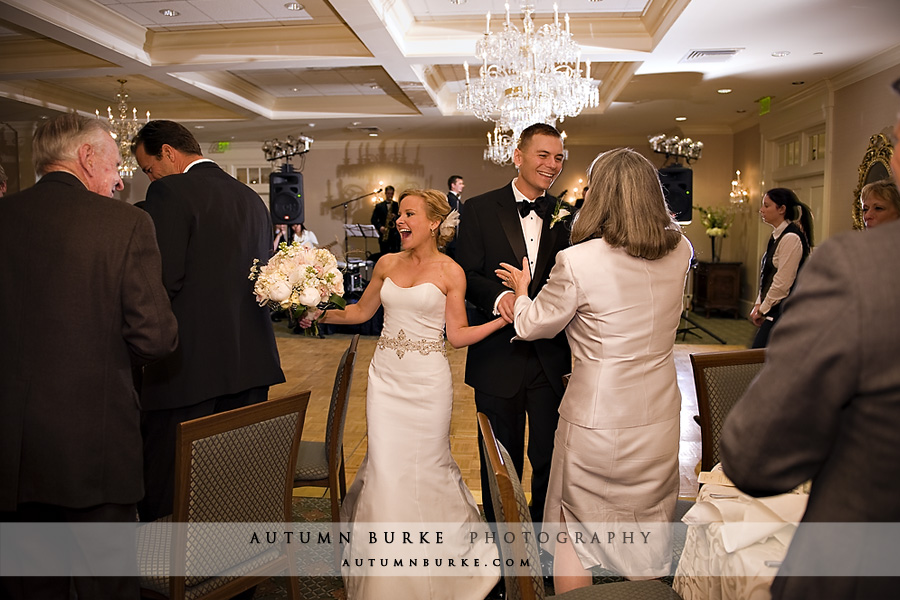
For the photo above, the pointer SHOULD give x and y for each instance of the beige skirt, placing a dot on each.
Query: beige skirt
(617, 490)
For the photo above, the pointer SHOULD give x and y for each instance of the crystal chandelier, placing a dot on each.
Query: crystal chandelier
(528, 76)
(123, 130)
(500, 146)
(739, 194)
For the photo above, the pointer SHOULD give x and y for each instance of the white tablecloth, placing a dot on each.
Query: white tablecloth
(735, 543)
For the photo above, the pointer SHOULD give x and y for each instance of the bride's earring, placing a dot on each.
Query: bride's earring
(433, 232)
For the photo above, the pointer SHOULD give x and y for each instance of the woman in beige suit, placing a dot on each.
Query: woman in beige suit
(617, 292)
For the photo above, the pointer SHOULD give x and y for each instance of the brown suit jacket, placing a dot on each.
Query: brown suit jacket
(826, 407)
(76, 313)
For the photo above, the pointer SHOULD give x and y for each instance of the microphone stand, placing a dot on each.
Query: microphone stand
(346, 238)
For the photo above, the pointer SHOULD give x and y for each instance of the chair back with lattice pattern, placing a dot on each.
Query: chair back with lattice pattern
(513, 518)
(721, 378)
(235, 467)
(340, 399)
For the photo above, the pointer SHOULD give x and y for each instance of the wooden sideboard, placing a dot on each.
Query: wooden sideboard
(717, 286)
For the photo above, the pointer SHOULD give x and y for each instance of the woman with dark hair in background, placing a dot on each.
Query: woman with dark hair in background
(786, 252)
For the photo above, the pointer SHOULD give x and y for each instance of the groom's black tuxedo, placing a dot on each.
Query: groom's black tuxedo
(506, 374)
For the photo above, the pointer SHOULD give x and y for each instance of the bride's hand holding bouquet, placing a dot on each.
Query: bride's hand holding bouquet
(300, 279)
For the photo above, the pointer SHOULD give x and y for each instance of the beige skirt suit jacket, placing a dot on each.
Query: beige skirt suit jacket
(615, 461)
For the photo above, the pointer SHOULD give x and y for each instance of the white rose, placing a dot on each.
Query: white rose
(279, 291)
(297, 275)
(309, 297)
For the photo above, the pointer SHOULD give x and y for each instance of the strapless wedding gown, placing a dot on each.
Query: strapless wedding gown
(408, 481)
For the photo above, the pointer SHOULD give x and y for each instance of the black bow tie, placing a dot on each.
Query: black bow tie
(539, 206)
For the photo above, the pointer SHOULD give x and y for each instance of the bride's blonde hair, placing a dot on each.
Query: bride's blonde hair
(436, 209)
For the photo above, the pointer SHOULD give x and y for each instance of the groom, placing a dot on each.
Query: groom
(515, 379)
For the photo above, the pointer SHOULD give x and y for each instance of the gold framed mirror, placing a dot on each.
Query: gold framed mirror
(875, 166)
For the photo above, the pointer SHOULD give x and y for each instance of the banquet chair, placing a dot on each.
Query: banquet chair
(721, 378)
(321, 464)
(231, 468)
(514, 517)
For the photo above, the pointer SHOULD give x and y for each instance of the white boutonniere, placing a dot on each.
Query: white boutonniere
(559, 213)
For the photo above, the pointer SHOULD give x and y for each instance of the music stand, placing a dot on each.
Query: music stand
(344, 205)
(366, 232)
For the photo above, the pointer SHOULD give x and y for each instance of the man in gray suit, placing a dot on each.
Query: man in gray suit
(826, 407)
(77, 313)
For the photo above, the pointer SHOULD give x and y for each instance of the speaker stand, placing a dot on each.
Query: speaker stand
(685, 313)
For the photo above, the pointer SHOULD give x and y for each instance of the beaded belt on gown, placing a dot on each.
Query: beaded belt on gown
(402, 344)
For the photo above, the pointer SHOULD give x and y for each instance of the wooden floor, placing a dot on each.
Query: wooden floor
(310, 363)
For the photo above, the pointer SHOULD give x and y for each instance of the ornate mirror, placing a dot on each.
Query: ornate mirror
(875, 166)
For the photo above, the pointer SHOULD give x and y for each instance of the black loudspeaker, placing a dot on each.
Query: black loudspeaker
(677, 183)
(286, 196)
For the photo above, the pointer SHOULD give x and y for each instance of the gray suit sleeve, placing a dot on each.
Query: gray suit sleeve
(783, 429)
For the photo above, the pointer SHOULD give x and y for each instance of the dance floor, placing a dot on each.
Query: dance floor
(310, 363)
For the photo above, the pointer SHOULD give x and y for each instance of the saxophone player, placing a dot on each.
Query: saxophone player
(384, 218)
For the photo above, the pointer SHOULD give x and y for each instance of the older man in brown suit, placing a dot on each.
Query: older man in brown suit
(77, 313)
(826, 407)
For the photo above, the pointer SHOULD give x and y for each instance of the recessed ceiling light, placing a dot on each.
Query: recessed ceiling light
(742, 110)
(681, 118)
(780, 54)
(817, 53)
(797, 82)
(293, 89)
(293, 6)
(457, 1)
(724, 91)
(168, 12)
(311, 124)
(199, 126)
(373, 135)
(355, 123)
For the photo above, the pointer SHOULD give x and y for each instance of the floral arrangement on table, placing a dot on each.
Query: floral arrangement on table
(717, 220)
(298, 278)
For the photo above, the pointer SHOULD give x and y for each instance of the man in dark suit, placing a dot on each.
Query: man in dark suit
(512, 380)
(76, 313)
(210, 227)
(826, 407)
(455, 184)
(384, 218)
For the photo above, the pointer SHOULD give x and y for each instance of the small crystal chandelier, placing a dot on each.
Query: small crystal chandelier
(528, 76)
(123, 130)
(500, 146)
(739, 194)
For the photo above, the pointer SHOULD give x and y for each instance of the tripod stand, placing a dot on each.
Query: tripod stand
(686, 311)
(345, 204)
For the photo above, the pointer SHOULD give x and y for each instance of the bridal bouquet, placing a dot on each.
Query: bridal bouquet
(299, 278)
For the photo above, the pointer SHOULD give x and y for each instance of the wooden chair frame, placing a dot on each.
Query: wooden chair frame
(701, 363)
(198, 429)
(336, 481)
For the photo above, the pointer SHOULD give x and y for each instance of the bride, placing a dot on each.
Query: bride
(408, 477)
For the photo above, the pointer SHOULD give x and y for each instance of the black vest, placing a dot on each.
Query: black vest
(767, 269)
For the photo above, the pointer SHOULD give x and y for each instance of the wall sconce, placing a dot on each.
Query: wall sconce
(739, 194)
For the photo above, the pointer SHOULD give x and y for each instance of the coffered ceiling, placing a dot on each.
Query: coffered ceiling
(339, 70)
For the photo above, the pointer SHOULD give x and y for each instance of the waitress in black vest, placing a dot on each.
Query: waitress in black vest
(788, 249)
